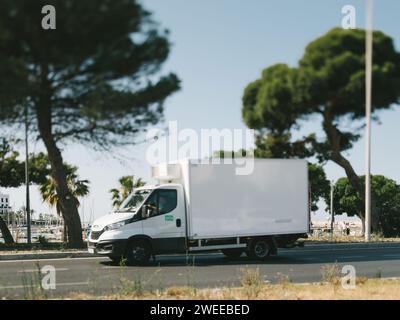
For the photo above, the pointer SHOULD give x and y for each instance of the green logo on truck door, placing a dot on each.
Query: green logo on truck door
(169, 217)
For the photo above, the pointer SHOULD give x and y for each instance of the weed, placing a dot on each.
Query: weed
(378, 274)
(251, 282)
(129, 287)
(331, 273)
(361, 280)
(32, 284)
(178, 292)
(284, 279)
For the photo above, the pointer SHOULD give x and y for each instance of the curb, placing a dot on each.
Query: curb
(343, 246)
(41, 256)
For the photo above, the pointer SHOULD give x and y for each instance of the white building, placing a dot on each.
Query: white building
(4, 203)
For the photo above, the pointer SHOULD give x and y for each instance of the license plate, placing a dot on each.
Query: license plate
(90, 250)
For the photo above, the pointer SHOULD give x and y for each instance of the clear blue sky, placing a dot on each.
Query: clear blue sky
(219, 46)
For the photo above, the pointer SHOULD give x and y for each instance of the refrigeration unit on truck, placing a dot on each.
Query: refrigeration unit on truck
(208, 207)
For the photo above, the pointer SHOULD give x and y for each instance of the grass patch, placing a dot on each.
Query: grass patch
(366, 289)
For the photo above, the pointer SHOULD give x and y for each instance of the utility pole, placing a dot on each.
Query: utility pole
(28, 206)
(332, 212)
(368, 106)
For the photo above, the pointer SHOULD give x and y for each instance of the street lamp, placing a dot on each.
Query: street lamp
(368, 104)
(28, 206)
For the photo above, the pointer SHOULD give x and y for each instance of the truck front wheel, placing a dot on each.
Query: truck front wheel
(260, 249)
(138, 252)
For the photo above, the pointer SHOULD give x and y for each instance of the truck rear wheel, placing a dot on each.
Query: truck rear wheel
(138, 252)
(260, 249)
(232, 253)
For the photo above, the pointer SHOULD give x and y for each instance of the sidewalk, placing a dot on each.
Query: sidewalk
(43, 254)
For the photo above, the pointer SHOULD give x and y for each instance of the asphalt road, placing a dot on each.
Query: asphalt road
(98, 275)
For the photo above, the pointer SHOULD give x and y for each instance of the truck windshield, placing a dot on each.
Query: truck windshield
(134, 200)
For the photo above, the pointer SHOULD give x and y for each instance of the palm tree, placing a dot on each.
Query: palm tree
(127, 185)
(79, 188)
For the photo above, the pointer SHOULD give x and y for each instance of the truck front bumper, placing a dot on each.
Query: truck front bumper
(114, 248)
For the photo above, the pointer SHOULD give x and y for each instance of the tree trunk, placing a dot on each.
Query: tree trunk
(5, 232)
(334, 136)
(68, 203)
(65, 238)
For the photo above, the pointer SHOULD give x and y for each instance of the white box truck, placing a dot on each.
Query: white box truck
(209, 207)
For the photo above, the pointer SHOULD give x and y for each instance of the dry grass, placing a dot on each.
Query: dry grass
(372, 289)
(253, 286)
(331, 273)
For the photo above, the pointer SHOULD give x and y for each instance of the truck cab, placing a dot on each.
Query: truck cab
(152, 214)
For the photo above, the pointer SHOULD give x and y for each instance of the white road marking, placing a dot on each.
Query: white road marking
(36, 270)
(58, 284)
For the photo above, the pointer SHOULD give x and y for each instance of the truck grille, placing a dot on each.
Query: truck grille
(94, 235)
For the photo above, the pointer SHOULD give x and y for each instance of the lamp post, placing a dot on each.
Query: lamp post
(368, 105)
(28, 206)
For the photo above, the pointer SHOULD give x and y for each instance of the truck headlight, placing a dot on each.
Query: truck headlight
(116, 225)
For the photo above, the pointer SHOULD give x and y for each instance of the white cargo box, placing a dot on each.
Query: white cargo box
(273, 199)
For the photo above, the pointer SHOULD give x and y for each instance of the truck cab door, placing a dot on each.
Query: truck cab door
(165, 220)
